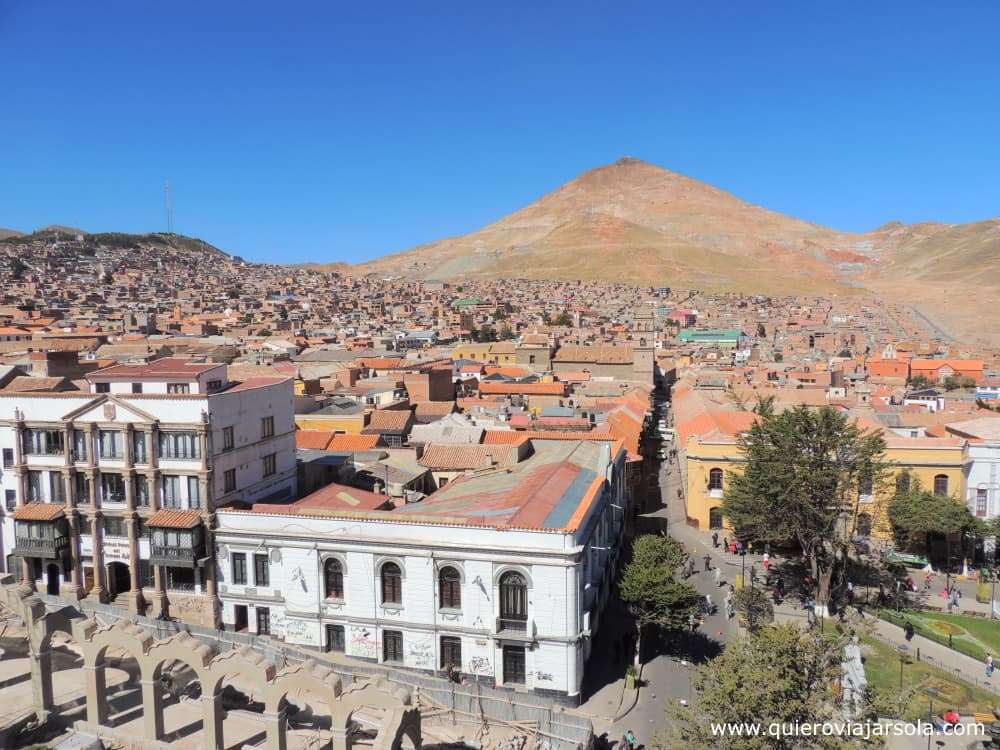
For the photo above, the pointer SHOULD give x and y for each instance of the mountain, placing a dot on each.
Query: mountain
(634, 221)
(5, 233)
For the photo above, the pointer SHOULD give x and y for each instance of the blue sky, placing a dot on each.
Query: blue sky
(342, 131)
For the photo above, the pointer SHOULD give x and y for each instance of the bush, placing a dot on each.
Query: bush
(983, 591)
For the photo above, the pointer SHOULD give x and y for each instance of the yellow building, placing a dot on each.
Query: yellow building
(347, 424)
(709, 452)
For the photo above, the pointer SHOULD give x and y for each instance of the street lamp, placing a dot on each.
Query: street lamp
(931, 692)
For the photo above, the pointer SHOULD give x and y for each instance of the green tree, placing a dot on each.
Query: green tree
(776, 675)
(804, 471)
(916, 514)
(920, 381)
(650, 590)
(563, 319)
(752, 603)
(485, 334)
(954, 382)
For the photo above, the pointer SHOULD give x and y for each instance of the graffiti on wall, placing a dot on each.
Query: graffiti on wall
(480, 665)
(421, 652)
(363, 644)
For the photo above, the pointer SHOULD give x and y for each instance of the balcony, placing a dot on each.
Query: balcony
(174, 557)
(515, 629)
(47, 548)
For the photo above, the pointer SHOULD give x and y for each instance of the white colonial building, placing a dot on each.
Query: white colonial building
(499, 576)
(983, 467)
(113, 491)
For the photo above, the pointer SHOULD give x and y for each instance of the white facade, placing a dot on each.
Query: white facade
(115, 457)
(983, 483)
(568, 575)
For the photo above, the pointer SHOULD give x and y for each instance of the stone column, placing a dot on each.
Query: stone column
(135, 600)
(75, 588)
(152, 709)
(97, 694)
(100, 591)
(127, 440)
(41, 682)
(214, 607)
(277, 729)
(211, 726)
(339, 739)
(159, 605)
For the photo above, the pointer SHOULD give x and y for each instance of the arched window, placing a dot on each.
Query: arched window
(715, 479)
(903, 482)
(392, 584)
(450, 586)
(513, 600)
(941, 484)
(333, 578)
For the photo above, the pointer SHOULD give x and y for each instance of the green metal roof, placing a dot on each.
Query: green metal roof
(710, 334)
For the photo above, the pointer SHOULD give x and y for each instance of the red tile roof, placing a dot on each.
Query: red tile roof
(39, 512)
(175, 519)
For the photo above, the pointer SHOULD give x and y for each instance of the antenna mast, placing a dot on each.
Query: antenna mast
(169, 205)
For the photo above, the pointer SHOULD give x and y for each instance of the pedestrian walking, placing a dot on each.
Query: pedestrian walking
(908, 630)
(631, 740)
(850, 592)
(718, 577)
(766, 563)
(715, 540)
(989, 666)
(692, 622)
(780, 586)
(725, 543)
(708, 562)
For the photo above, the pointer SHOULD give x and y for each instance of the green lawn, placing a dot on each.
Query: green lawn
(882, 669)
(974, 636)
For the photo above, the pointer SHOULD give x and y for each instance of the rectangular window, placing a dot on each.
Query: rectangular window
(392, 646)
(182, 445)
(239, 569)
(10, 500)
(180, 579)
(80, 439)
(194, 493)
(112, 488)
(56, 494)
(263, 621)
(941, 485)
(147, 576)
(36, 491)
(267, 427)
(513, 665)
(171, 491)
(114, 526)
(136, 387)
(228, 442)
(270, 462)
(43, 442)
(111, 444)
(213, 385)
(178, 388)
(139, 448)
(141, 491)
(451, 653)
(261, 573)
(102, 387)
(8, 457)
(82, 488)
(335, 640)
(229, 480)
(981, 497)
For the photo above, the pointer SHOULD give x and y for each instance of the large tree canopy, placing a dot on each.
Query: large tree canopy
(651, 592)
(916, 514)
(805, 469)
(776, 675)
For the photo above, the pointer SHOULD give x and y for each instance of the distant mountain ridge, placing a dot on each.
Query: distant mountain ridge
(637, 222)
